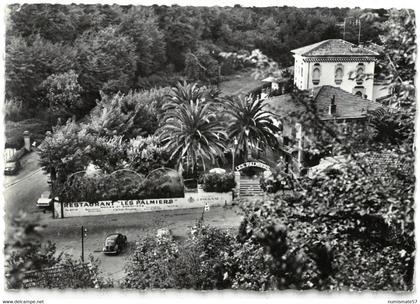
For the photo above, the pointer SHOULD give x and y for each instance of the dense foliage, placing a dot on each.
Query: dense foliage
(216, 182)
(164, 263)
(115, 48)
(145, 154)
(63, 94)
(214, 259)
(29, 261)
(362, 214)
(128, 115)
(277, 181)
(72, 147)
(348, 229)
(123, 184)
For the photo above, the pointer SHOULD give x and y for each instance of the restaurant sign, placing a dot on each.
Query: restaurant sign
(191, 200)
(252, 164)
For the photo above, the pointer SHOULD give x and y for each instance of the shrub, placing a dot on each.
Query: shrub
(145, 154)
(120, 186)
(354, 227)
(214, 182)
(212, 258)
(196, 263)
(159, 80)
(13, 110)
(276, 182)
(32, 262)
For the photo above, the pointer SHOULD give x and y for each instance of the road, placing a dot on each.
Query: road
(22, 191)
(66, 233)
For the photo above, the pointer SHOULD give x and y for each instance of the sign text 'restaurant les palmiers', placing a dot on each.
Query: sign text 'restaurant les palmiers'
(123, 203)
(191, 200)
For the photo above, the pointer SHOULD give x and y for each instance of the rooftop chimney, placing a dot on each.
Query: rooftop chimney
(333, 107)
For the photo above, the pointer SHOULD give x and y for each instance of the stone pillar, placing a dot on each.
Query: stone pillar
(27, 140)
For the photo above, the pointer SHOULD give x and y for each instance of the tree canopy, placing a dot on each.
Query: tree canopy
(120, 48)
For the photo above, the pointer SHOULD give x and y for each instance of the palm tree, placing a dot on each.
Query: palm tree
(185, 92)
(251, 125)
(192, 133)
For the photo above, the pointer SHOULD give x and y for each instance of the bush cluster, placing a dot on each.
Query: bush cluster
(214, 182)
(213, 259)
(276, 182)
(119, 187)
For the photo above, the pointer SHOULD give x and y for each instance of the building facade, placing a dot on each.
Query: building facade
(348, 113)
(337, 63)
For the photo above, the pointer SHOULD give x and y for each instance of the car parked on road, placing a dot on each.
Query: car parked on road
(114, 243)
(45, 200)
(11, 167)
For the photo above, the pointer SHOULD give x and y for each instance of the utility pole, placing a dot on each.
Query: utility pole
(235, 143)
(84, 234)
(219, 77)
(344, 32)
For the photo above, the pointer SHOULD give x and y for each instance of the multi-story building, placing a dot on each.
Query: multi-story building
(337, 63)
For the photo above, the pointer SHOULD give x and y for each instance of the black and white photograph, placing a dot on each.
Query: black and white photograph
(209, 148)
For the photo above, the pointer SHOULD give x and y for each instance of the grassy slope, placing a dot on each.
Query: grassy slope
(240, 84)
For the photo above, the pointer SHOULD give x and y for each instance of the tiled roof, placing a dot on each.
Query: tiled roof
(283, 105)
(348, 105)
(333, 47)
(339, 59)
(379, 164)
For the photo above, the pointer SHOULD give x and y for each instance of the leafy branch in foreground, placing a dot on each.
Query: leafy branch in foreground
(30, 263)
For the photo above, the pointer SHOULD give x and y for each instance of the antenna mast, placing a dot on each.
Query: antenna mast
(344, 33)
(358, 23)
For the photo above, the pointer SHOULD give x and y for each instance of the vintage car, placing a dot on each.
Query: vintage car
(45, 200)
(114, 243)
(11, 167)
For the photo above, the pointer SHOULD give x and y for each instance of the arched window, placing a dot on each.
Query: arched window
(339, 73)
(359, 91)
(316, 74)
(360, 73)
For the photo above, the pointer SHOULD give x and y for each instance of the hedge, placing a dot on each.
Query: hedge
(214, 182)
(118, 187)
